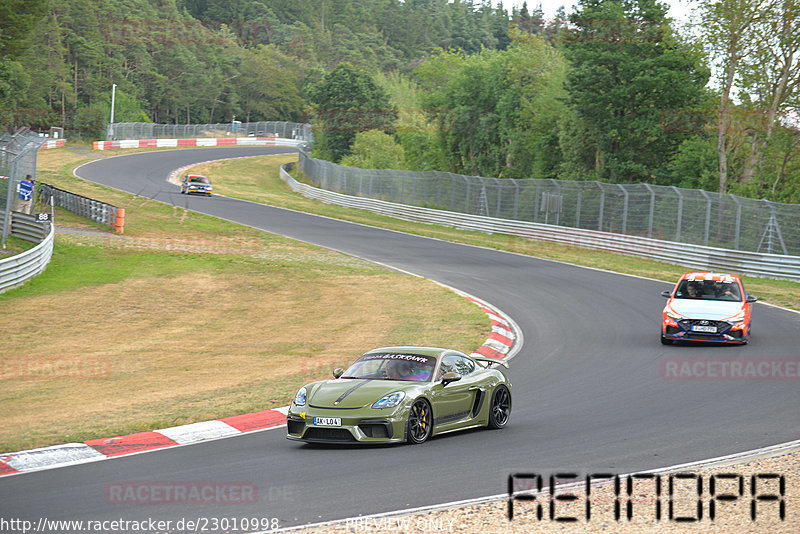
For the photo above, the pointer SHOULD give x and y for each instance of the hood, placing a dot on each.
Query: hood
(353, 393)
(706, 309)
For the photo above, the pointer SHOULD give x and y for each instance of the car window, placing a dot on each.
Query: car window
(464, 366)
(456, 364)
(709, 290)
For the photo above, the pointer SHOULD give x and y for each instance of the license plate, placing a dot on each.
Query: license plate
(328, 421)
(709, 329)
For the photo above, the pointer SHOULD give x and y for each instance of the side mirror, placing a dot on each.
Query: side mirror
(751, 298)
(338, 372)
(666, 294)
(450, 377)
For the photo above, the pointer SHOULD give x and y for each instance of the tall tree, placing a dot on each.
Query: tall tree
(628, 69)
(728, 26)
(771, 77)
(17, 20)
(347, 101)
(496, 110)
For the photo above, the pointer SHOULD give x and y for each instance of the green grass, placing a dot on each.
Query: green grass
(194, 318)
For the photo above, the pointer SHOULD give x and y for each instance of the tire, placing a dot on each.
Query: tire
(500, 407)
(420, 422)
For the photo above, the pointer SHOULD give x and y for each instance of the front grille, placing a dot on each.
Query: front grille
(329, 434)
(720, 326)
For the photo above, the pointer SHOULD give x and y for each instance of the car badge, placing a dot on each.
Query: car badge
(704, 323)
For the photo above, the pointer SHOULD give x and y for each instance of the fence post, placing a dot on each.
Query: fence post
(652, 211)
(680, 214)
(602, 206)
(708, 215)
(738, 220)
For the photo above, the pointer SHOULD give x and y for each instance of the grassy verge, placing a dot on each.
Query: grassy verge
(189, 318)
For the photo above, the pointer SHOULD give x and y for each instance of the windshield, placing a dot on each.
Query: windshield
(198, 179)
(392, 366)
(709, 290)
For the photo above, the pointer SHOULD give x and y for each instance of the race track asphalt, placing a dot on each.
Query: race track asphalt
(589, 395)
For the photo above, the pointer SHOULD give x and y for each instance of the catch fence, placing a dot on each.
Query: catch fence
(18, 154)
(667, 213)
(147, 130)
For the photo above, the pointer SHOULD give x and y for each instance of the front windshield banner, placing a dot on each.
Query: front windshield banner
(392, 366)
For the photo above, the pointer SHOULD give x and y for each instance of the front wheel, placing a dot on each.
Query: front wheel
(500, 408)
(420, 422)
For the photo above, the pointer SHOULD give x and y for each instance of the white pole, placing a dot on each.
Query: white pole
(113, 95)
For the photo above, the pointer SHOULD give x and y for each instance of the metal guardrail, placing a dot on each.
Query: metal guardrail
(95, 210)
(17, 269)
(692, 256)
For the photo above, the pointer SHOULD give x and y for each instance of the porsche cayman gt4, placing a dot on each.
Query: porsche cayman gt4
(401, 394)
(709, 307)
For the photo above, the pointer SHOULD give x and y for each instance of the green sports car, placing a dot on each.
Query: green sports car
(394, 394)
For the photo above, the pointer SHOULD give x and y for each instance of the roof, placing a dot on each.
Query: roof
(715, 277)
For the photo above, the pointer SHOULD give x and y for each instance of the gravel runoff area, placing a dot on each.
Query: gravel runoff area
(777, 487)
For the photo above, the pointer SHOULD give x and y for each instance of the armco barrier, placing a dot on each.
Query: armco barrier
(95, 210)
(14, 271)
(692, 256)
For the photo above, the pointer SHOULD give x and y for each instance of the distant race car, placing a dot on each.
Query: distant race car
(707, 307)
(396, 394)
(196, 183)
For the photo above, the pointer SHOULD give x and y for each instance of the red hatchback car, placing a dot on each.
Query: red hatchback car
(710, 307)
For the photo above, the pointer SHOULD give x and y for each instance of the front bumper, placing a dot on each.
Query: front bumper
(696, 330)
(384, 426)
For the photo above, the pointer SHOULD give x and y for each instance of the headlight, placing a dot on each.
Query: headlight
(673, 315)
(390, 401)
(300, 398)
(738, 318)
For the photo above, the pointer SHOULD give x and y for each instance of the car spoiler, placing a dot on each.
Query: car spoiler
(490, 360)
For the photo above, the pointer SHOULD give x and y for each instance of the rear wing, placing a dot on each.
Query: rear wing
(484, 359)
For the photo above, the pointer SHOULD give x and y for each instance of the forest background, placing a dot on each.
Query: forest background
(613, 90)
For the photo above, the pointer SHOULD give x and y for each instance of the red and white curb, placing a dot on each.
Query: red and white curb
(502, 344)
(101, 449)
